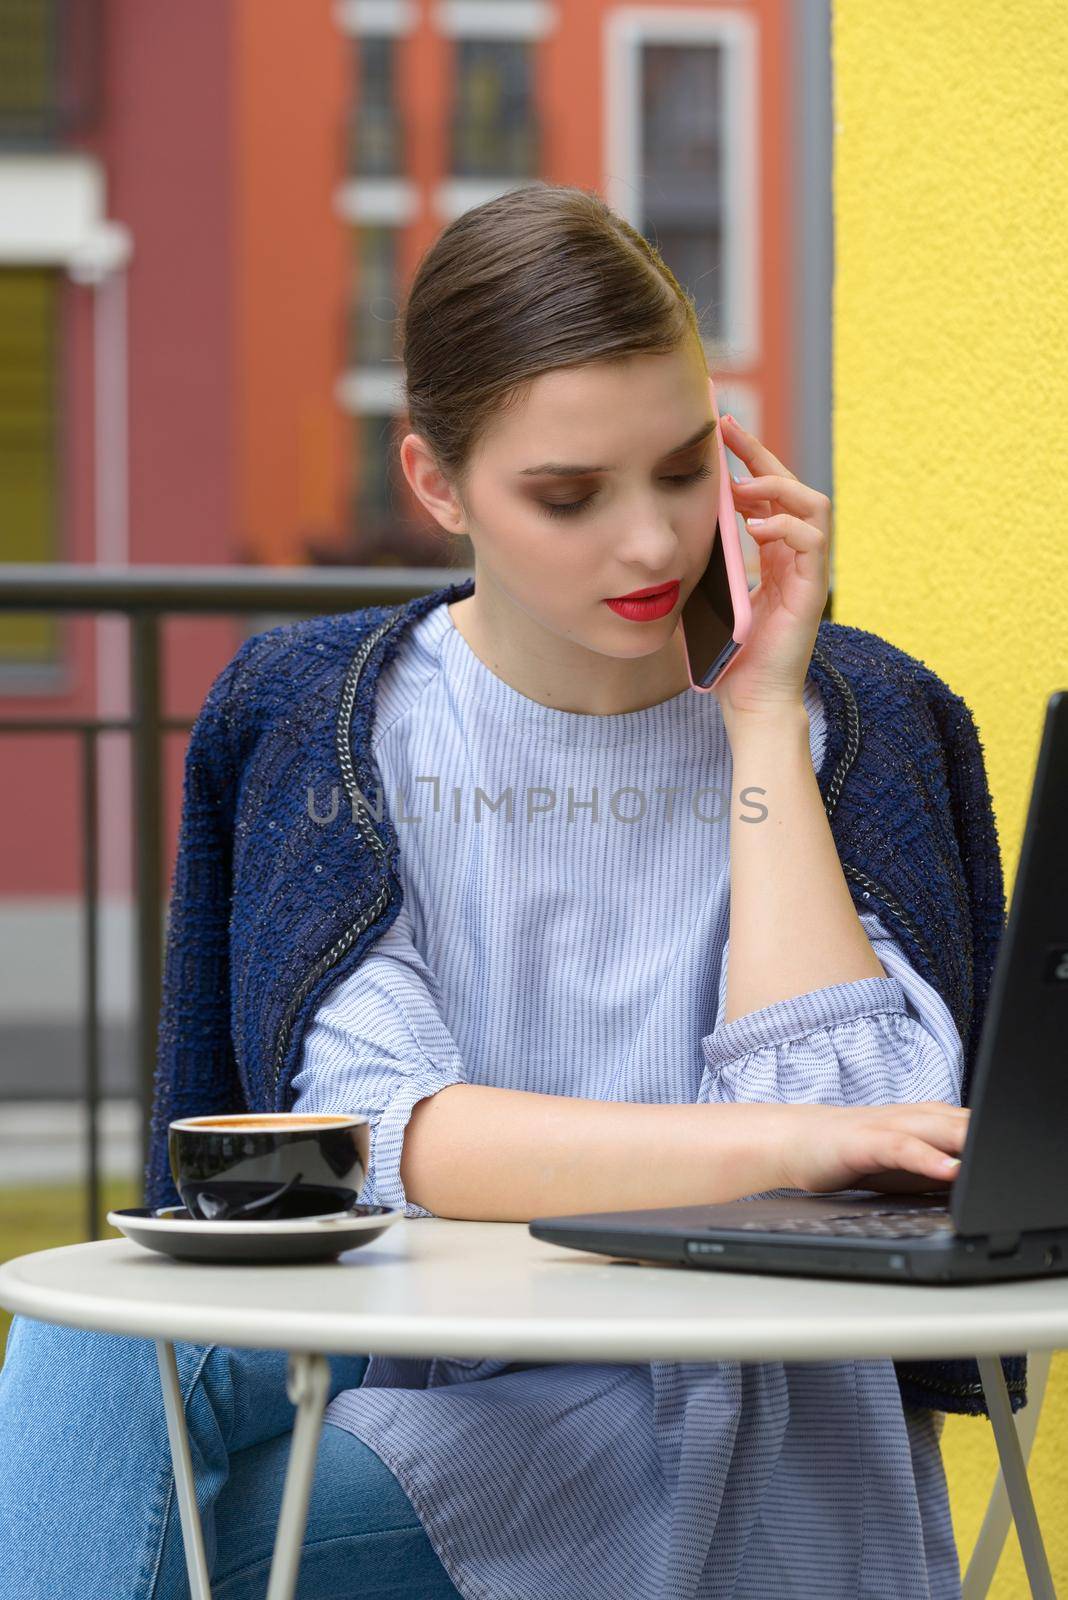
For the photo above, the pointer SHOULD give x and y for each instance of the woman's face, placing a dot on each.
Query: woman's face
(602, 480)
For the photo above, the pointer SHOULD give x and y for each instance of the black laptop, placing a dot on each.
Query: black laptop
(1006, 1213)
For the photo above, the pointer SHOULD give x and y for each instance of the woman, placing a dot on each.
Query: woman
(519, 971)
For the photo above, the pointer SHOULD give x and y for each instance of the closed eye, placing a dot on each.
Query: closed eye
(570, 508)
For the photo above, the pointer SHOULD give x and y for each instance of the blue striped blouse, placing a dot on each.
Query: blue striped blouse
(564, 929)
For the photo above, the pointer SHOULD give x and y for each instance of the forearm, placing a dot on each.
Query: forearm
(793, 925)
(506, 1155)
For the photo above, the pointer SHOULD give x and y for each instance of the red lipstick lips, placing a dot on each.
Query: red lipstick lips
(642, 594)
(646, 605)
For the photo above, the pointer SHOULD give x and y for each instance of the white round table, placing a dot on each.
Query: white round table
(431, 1287)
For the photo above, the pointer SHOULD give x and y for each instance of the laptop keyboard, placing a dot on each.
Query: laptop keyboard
(865, 1224)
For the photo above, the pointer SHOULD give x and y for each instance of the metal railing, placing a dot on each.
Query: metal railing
(147, 595)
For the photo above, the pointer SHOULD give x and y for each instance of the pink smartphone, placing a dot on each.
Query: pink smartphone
(716, 619)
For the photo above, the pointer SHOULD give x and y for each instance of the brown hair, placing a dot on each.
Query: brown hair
(541, 277)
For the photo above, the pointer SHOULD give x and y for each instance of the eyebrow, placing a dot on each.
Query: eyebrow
(564, 470)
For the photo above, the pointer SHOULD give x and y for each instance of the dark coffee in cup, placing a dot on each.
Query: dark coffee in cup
(268, 1166)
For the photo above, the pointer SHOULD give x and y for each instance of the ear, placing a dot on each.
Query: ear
(430, 485)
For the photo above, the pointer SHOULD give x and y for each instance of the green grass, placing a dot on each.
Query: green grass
(44, 1216)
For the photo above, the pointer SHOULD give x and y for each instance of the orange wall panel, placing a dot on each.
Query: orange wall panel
(292, 268)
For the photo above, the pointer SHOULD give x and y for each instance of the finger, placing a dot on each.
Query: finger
(748, 448)
(947, 1138)
(940, 1128)
(912, 1154)
(793, 531)
(790, 491)
(909, 1110)
(753, 504)
(754, 507)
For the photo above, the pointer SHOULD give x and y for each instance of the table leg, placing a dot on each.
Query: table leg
(1014, 1473)
(997, 1520)
(307, 1384)
(192, 1534)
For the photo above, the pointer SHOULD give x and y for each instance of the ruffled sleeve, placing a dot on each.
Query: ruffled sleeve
(378, 1044)
(875, 1041)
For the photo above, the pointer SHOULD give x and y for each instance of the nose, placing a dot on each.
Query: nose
(649, 544)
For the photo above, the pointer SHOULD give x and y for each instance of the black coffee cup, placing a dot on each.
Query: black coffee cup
(268, 1166)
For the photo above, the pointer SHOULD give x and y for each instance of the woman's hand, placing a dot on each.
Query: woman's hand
(895, 1149)
(769, 673)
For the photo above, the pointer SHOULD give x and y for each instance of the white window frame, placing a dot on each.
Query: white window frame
(397, 18)
(454, 196)
(494, 19)
(52, 214)
(371, 389)
(387, 202)
(626, 30)
(393, 202)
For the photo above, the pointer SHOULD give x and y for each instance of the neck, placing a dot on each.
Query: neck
(561, 672)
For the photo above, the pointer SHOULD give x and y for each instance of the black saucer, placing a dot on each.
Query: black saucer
(172, 1231)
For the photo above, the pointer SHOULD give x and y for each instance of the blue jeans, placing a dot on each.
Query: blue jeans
(88, 1505)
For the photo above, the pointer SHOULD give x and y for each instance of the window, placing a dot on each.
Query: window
(682, 161)
(681, 119)
(29, 447)
(494, 131)
(374, 445)
(389, 528)
(375, 133)
(49, 70)
(374, 295)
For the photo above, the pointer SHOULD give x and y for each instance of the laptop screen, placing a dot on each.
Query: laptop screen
(1014, 1169)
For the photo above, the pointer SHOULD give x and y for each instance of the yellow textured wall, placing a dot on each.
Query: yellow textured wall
(951, 435)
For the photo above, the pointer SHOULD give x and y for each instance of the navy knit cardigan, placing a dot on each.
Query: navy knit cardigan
(270, 907)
